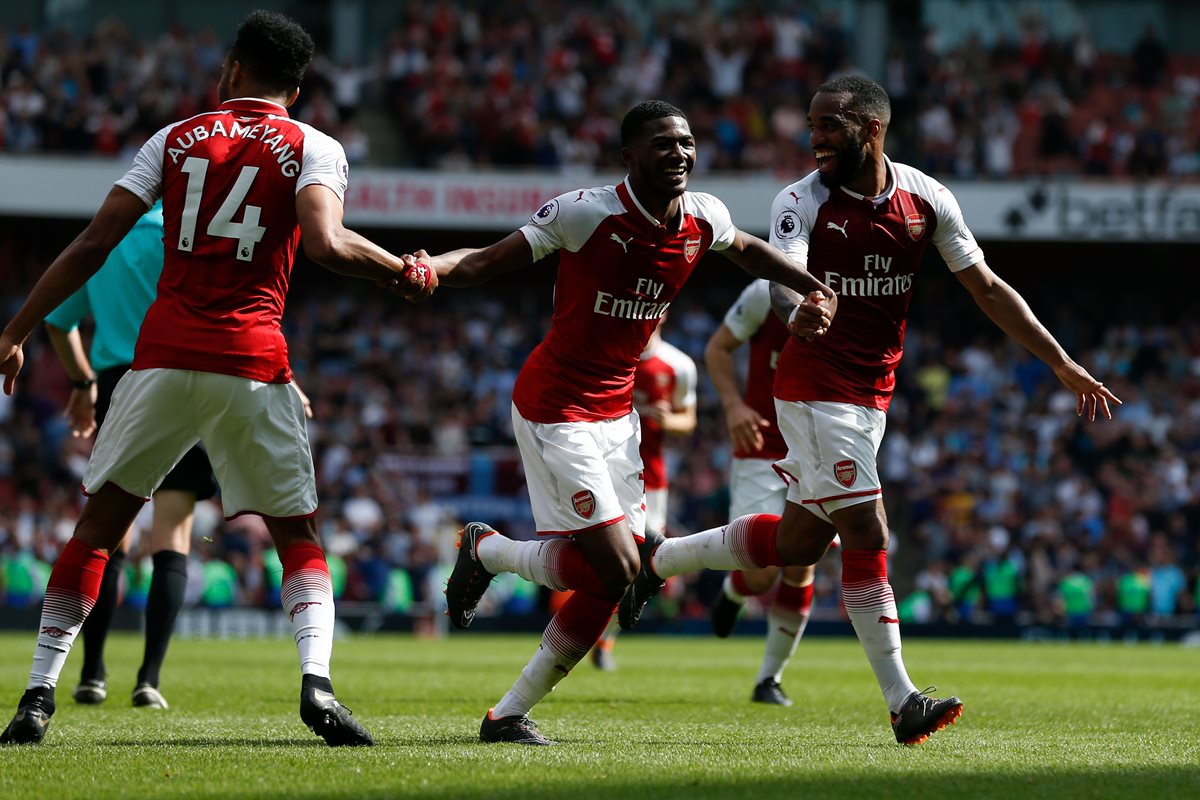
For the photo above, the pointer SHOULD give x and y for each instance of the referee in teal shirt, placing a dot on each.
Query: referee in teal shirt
(117, 298)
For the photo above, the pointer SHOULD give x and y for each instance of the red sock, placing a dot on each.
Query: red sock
(754, 537)
(74, 583)
(565, 560)
(865, 584)
(303, 564)
(578, 625)
(307, 597)
(71, 592)
(738, 580)
(797, 599)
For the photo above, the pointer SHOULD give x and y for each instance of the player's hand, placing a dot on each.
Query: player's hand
(81, 412)
(813, 316)
(745, 428)
(11, 359)
(420, 280)
(308, 409)
(655, 411)
(1090, 394)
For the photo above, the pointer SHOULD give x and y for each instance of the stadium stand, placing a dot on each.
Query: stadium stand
(1005, 509)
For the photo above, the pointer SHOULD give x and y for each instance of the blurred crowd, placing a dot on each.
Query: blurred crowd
(1005, 506)
(544, 84)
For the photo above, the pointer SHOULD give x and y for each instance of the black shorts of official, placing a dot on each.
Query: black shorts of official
(193, 473)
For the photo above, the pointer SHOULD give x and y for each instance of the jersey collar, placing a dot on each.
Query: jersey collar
(254, 105)
(630, 199)
(890, 190)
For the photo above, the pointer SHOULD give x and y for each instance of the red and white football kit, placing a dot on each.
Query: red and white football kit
(754, 485)
(211, 343)
(832, 393)
(665, 374)
(619, 270)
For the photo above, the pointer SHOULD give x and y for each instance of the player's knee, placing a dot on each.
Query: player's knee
(759, 580)
(801, 551)
(619, 573)
(800, 545)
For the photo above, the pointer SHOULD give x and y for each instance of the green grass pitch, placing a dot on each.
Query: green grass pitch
(1045, 720)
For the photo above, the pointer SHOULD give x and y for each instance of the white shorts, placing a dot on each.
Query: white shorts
(755, 487)
(832, 449)
(254, 433)
(582, 475)
(656, 510)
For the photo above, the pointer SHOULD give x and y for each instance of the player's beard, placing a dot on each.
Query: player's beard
(851, 160)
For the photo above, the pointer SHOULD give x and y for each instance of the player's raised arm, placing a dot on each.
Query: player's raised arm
(814, 303)
(331, 244)
(82, 258)
(1012, 315)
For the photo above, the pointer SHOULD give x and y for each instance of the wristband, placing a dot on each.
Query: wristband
(86, 383)
(792, 316)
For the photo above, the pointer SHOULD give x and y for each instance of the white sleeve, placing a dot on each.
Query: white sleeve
(708, 207)
(144, 177)
(750, 311)
(566, 223)
(953, 238)
(324, 163)
(793, 215)
(684, 396)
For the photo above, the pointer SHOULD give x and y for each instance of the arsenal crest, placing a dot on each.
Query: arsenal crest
(846, 473)
(691, 248)
(915, 223)
(585, 503)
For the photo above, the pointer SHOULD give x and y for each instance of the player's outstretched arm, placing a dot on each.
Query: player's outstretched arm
(473, 266)
(744, 423)
(1012, 315)
(806, 317)
(815, 304)
(81, 405)
(337, 248)
(82, 258)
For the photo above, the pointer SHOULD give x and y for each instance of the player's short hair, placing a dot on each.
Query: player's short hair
(643, 112)
(866, 96)
(274, 49)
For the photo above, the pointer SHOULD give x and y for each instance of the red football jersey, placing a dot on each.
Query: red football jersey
(751, 319)
(228, 180)
(618, 272)
(664, 373)
(867, 250)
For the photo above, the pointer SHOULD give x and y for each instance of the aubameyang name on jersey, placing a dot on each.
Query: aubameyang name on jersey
(644, 306)
(270, 137)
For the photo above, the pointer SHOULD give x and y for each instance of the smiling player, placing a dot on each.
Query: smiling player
(625, 252)
(862, 223)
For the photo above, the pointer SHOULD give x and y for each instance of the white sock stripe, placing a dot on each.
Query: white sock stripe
(552, 554)
(870, 596)
(67, 605)
(306, 582)
(566, 646)
(738, 537)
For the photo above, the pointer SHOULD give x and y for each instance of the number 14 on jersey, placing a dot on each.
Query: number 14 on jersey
(248, 232)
